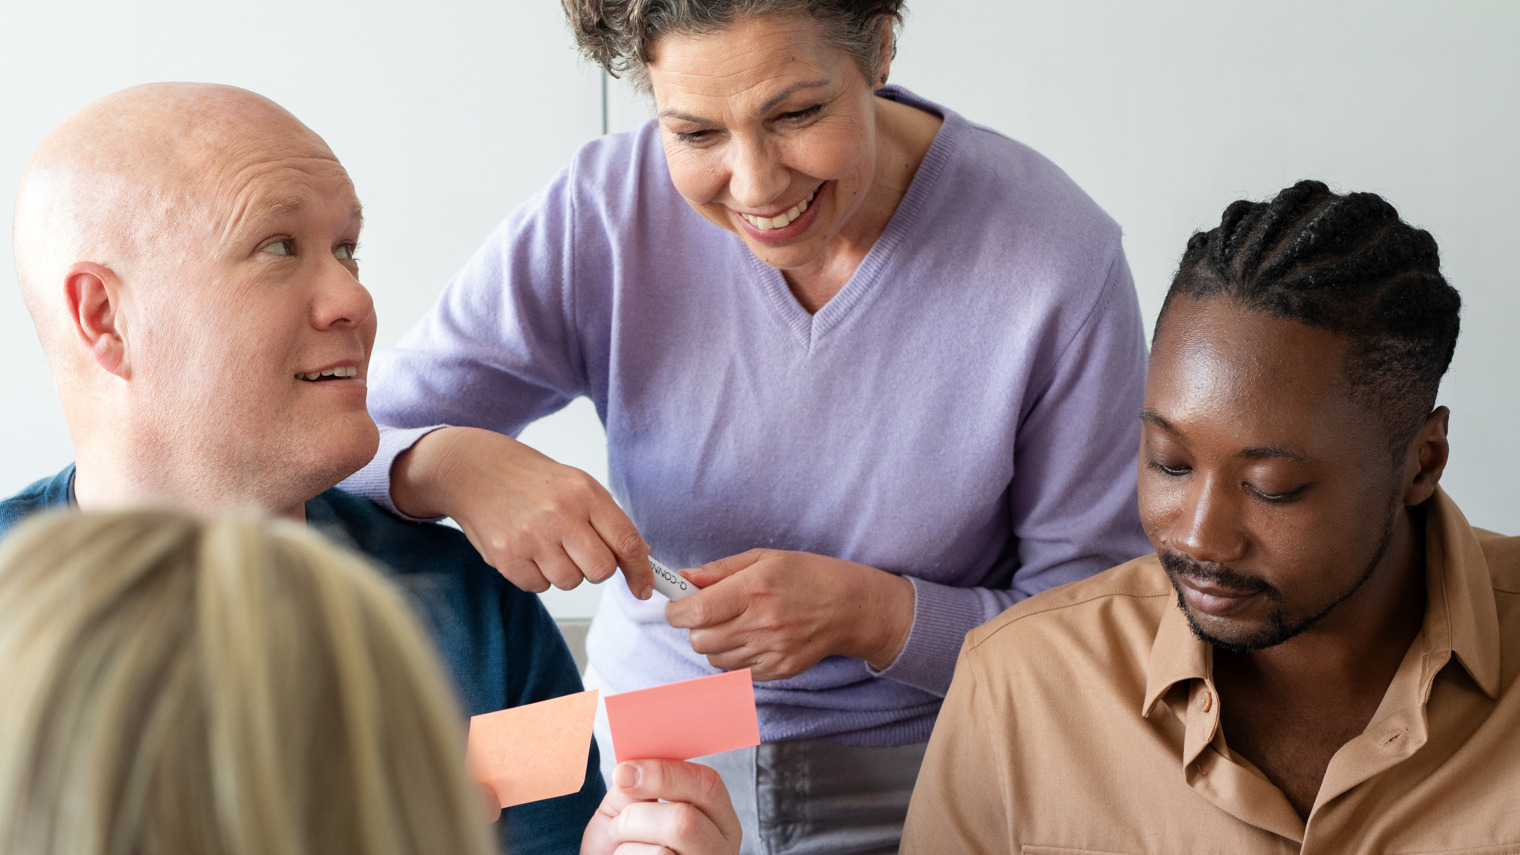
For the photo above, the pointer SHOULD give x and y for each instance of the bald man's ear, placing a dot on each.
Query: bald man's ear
(94, 296)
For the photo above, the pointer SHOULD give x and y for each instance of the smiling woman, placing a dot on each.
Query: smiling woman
(775, 293)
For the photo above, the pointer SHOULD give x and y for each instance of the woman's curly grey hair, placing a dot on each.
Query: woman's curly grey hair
(620, 35)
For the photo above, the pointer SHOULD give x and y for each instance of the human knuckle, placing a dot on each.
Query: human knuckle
(527, 577)
(548, 510)
(685, 820)
(600, 568)
(498, 544)
(579, 485)
(708, 782)
(629, 543)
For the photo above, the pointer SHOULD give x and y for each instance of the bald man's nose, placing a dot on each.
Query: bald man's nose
(341, 302)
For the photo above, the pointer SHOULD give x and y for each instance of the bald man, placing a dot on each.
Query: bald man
(187, 254)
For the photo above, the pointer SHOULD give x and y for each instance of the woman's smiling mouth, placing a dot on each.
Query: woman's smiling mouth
(783, 227)
(783, 219)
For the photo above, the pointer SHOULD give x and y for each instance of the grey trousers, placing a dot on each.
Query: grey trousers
(808, 797)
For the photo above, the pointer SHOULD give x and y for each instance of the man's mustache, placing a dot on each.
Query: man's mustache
(1220, 575)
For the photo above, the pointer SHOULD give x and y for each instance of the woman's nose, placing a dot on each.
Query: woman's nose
(757, 178)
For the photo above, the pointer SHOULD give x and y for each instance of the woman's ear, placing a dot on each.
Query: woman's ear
(95, 310)
(1428, 453)
(887, 47)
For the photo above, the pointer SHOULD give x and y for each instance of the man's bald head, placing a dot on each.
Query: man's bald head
(187, 254)
(127, 179)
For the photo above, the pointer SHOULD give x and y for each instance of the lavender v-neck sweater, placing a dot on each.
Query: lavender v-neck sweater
(964, 412)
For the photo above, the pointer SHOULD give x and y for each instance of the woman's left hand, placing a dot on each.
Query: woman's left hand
(778, 613)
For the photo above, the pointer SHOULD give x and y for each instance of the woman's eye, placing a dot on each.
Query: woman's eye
(345, 252)
(692, 136)
(283, 246)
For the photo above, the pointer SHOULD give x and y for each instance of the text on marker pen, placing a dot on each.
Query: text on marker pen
(670, 583)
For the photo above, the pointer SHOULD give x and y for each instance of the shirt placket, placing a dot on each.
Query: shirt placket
(1231, 784)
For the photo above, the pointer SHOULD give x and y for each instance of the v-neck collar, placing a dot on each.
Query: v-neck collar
(810, 328)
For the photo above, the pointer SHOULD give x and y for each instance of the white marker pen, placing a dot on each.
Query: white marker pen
(670, 583)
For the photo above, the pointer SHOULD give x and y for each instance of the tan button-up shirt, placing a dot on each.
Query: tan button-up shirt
(1085, 720)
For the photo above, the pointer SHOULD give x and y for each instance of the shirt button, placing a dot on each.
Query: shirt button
(1206, 701)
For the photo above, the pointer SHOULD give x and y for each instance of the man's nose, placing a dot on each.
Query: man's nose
(1207, 526)
(757, 177)
(341, 301)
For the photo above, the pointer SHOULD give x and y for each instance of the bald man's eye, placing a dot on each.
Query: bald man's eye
(281, 246)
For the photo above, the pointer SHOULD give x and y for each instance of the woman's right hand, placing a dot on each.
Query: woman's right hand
(538, 522)
(664, 806)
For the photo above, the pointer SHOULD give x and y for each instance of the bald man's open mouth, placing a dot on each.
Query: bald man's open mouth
(345, 372)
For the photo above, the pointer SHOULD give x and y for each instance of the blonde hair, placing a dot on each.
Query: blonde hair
(218, 687)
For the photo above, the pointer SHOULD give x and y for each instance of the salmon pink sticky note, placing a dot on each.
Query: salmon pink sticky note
(679, 721)
(535, 751)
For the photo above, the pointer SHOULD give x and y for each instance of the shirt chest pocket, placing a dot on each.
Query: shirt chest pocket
(1027, 849)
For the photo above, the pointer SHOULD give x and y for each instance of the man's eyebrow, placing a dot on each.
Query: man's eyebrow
(255, 216)
(1271, 452)
(1260, 452)
(277, 208)
(769, 104)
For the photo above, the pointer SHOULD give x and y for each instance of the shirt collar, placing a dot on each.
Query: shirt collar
(1461, 617)
(1176, 656)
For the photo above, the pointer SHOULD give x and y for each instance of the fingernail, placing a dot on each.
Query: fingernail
(626, 775)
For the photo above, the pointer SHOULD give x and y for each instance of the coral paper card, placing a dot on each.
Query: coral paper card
(679, 721)
(536, 751)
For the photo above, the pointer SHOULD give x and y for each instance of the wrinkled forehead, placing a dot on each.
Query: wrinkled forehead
(231, 170)
(243, 193)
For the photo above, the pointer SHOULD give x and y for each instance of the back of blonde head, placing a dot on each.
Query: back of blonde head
(224, 687)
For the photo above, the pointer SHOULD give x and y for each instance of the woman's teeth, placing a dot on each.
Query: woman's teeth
(768, 223)
(338, 373)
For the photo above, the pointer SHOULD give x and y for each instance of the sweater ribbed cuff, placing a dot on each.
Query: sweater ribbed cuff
(942, 615)
(373, 482)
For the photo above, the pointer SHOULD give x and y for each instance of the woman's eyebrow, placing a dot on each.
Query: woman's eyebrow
(789, 91)
(770, 103)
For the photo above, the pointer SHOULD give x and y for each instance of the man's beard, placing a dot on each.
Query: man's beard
(1280, 625)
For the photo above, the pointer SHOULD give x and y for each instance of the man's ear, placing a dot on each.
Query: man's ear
(95, 310)
(1428, 454)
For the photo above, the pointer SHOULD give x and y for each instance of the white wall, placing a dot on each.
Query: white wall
(1164, 110)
